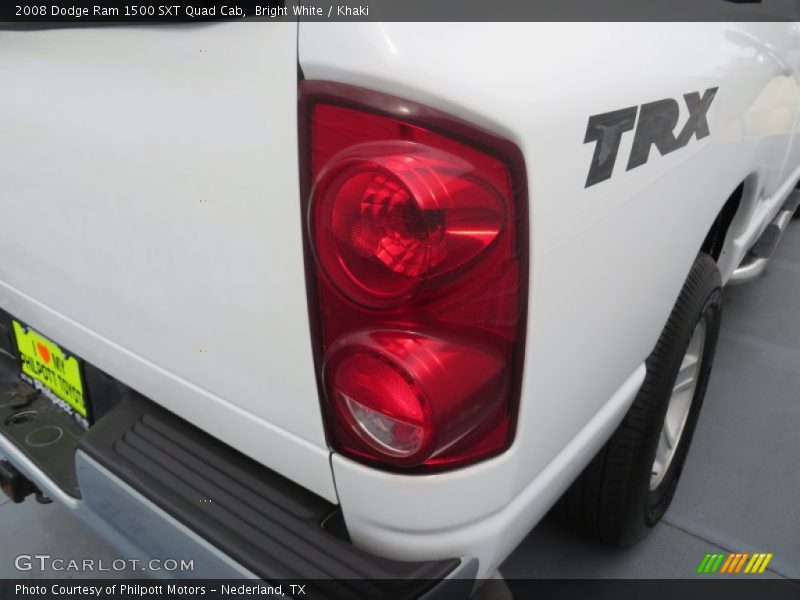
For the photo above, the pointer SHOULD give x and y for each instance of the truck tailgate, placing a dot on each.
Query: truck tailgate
(151, 222)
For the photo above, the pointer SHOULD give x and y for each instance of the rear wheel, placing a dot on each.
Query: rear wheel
(628, 486)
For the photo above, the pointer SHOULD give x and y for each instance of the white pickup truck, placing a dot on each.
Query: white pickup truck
(363, 301)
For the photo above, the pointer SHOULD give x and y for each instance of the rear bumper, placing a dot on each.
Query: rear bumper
(155, 486)
(137, 527)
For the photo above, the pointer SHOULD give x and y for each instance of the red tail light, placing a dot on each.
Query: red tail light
(417, 273)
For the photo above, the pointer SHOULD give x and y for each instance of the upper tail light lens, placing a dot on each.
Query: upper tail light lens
(388, 217)
(418, 230)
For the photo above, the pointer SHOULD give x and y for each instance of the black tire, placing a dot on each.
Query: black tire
(611, 501)
(796, 214)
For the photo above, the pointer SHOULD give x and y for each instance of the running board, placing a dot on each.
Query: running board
(755, 261)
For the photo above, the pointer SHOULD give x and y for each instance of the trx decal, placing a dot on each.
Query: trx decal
(655, 127)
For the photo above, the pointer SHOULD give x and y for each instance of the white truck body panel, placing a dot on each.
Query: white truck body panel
(607, 261)
(149, 200)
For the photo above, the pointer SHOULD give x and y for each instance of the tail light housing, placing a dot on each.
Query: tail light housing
(416, 263)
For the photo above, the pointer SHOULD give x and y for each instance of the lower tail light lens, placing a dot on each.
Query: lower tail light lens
(377, 401)
(411, 397)
(417, 260)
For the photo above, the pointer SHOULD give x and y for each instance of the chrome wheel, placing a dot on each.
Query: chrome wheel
(680, 405)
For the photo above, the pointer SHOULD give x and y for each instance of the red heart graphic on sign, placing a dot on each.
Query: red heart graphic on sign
(43, 352)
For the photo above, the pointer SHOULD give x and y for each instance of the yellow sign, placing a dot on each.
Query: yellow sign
(45, 362)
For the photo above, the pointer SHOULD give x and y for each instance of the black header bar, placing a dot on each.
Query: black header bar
(172, 11)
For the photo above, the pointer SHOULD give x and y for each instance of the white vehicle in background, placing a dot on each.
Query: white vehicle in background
(372, 317)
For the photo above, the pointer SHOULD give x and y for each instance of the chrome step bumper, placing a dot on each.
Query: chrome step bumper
(755, 261)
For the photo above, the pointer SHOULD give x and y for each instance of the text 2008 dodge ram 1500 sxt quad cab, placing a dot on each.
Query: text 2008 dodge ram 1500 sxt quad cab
(366, 300)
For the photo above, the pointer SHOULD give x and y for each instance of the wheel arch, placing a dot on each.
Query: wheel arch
(714, 242)
(731, 220)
